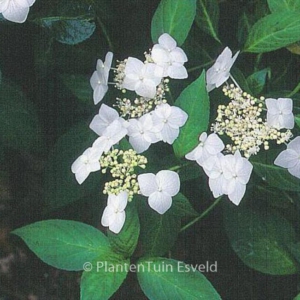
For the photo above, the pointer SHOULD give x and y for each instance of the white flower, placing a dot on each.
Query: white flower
(160, 189)
(290, 158)
(208, 146)
(104, 118)
(141, 78)
(220, 71)
(15, 10)
(279, 113)
(167, 55)
(99, 79)
(167, 120)
(114, 213)
(213, 169)
(86, 163)
(142, 133)
(236, 171)
(111, 136)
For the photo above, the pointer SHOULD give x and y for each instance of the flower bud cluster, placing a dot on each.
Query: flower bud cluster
(122, 166)
(142, 105)
(242, 122)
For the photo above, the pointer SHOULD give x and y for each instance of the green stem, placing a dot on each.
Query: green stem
(294, 91)
(111, 47)
(178, 167)
(202, 215)
(200, 67)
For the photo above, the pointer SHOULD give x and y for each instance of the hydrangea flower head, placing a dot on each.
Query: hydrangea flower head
(15, 10)
(114, 213)
(167, 55)
(290, 158)
(141, 78)
(220, 71)
(160, 189)
(86, 163)
(279, 113)
(208, 146)
(99, 79)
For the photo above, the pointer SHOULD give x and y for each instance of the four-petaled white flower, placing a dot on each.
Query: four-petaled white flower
(167, 120)
(15, 10)
(114, 213)
(220, 71)
(290, 158)
(213, 169)
(279, 113)
(105, 117)
(86, 163)
(172, 58)
(141, 78)
(236, 171)
(111, 136)
(160, 189)
(142, 133)
(99, 79)
(208, 146)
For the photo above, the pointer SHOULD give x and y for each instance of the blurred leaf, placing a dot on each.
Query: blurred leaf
(175, 280)
(79, 85)
(61, 187)
(69, 31)
(294, 48)
(297, 297)
(19, 125)
(283, 5)
(277, 177)
(182, 207)
(103, 280)
(158, 232)
(195, 102)
(257, 80)
(207, 17)
(174, 17)
(297, 120)
(126, 240)
(246, 21)
(261, 239)
(64, 244)
(274, 31)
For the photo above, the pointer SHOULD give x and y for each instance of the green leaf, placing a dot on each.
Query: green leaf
(19, 125)
(261, 239)
(283, 5)
(195, 102)
(164, 279)
(158, 232)
(64, 244)
(274, 31)
(257, 81)
(69, 31)
(277, 177)
(79, 85)
(182, 207)
(61, 187)
(174, 17)
(103, 280)
(126, 240)
(297, 297)
(297, 120)
(207, 17)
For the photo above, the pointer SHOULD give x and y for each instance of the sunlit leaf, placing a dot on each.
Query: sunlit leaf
(174, 17)
(274, 31)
